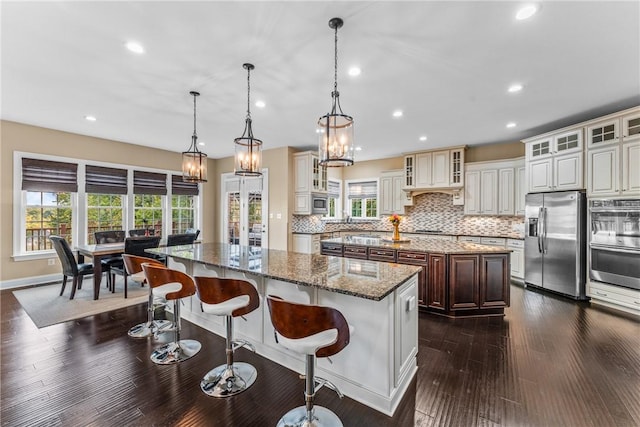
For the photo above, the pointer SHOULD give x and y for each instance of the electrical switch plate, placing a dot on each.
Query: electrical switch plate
(51, 261)
(278, 216)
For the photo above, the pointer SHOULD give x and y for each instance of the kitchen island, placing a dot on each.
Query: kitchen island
(458, 279)
(379, 300)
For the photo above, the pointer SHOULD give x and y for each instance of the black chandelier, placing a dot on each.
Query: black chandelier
(335, 129)
(248, 159)
(194, 162)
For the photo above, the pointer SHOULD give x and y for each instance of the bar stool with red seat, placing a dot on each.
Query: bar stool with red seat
(314, 331)
(133, 270)
(172, 285)
(229, 298)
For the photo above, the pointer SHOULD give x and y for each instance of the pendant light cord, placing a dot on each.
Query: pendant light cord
(335, 62)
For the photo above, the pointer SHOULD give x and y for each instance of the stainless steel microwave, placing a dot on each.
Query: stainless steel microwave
(319, 204)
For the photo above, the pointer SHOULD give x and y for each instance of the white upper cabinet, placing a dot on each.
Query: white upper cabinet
(555, 162)
(493, 188)
(309, 175)
(392, 197)
(613, 156)
(434, 169)
(521, 188)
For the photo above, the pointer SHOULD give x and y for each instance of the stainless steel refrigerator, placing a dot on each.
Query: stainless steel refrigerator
(555, 242)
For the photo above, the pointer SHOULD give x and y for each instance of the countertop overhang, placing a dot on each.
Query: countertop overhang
(359, 278)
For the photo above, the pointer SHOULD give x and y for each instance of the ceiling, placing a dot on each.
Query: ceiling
(446, 65)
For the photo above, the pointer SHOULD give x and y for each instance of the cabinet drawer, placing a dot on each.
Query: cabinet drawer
(513, 243)
(472, 239)
(331, 249)
(615, 295)
(405, 257)
(355, 251)
(377, 254)
(493, 241)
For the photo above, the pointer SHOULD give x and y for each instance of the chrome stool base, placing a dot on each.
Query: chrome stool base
(322, 417)
(175, 352)
(144, 330)
(224, 382)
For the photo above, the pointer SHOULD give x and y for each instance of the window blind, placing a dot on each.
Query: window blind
(333, 189)
(46, 175)
(149, 183)
(104, 180)
(180, 187)
(363, 190)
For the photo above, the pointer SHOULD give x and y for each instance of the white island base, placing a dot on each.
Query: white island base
(374, 369)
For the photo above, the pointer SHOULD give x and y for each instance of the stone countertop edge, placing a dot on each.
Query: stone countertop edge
(371, 289)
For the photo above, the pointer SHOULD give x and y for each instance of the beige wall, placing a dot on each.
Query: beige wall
(21, 137)
(488, 152)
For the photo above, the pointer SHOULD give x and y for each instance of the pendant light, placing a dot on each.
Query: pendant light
(248, 161)
(194, 162)
(335, 129)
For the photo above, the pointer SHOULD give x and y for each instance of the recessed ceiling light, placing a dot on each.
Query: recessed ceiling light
(91, 118)
(135, 47)
(423, 138)
(354, 71)
(511, 125)
(358, 148)
(201, 143)
(526, 12)
(516, 87)
(397, 113)
(260, 104)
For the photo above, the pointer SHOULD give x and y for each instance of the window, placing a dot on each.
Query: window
(182, 204)
(335, 203)
(363, 199)
(48, 189)
(74, 198)
(148, 189)
(105, 188)
(104, 212)
(47, 214)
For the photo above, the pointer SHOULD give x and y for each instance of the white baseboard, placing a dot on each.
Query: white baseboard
(29, 281)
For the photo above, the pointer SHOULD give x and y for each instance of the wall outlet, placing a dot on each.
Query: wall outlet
(51, 261)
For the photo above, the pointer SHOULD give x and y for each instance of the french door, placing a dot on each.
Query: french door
(245, 207)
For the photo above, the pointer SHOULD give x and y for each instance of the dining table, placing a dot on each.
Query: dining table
(97, 253)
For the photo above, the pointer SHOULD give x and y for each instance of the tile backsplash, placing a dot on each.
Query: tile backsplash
(431, 211)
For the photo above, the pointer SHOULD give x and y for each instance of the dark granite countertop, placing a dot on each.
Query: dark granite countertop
(359, 278)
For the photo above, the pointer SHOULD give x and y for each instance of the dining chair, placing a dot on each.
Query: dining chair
(181, 239)
(110, 236)
(136, 246)
(70, 266)
(141, 232)
(193, 231)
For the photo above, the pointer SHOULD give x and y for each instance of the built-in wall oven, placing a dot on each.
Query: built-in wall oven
(614, 245)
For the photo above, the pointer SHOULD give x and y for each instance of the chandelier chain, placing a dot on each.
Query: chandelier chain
(194, 116)
(335, 58)
(248, 92)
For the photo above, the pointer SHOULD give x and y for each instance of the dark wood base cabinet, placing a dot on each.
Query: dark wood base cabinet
(472, 285)
(454, 285)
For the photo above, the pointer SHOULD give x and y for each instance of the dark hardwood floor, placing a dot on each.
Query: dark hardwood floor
(549, 362)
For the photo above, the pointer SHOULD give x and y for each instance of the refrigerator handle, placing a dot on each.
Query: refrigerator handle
(544, 230)
(539, 230)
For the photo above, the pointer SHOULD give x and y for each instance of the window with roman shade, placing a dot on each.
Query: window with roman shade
(334, 209)
(363, 199)
(183, 188)
(49, 176)
(102, 180)
(149, 183)
(362, 190)
(333, 189)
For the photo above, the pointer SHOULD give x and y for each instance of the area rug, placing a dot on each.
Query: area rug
(46, 307)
